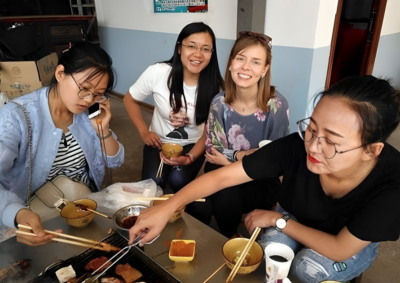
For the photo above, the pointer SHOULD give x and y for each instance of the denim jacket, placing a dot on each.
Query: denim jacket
(14, 150)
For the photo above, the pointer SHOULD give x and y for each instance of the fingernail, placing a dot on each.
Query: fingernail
(41, 234)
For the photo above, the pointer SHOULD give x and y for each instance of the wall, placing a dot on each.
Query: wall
(387, 60)
(301, 34)
(251, 15)
(136, 37)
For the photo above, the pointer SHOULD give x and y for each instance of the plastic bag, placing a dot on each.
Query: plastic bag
(3, 99)
(119, 195)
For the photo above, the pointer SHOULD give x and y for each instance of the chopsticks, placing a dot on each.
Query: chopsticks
(215, 272)
(250, 243)
(93, 244)
(87, 208)
(160, 168)
(164, 198)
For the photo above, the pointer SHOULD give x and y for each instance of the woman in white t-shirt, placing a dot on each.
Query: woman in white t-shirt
(183, 88)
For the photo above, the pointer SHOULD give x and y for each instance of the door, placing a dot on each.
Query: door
(355, 38)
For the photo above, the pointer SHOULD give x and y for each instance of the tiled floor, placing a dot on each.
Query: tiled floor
(385, 269)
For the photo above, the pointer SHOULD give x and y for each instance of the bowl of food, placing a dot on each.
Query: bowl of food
(232, 250)
(182, 250)
(76, 213)
(177, 214)
(126, 217)
(171, 150)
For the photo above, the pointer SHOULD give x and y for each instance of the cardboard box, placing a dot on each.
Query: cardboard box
(22, 77)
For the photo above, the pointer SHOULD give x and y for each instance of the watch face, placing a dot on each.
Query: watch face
(281, 223)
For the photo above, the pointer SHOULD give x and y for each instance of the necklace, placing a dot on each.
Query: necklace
(243, 107)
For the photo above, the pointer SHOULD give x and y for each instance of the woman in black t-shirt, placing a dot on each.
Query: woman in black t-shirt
(341, 193)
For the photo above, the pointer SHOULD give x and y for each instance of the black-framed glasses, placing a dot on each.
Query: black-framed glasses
(325, 146)
(85, 93)
(205, 49)
(260, 36)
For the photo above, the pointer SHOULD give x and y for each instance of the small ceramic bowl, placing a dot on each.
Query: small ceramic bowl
(77, 217)
(177, 214)
(263, 142)
(172, 150)
(234, 247)
(182, 258)
(127, 211)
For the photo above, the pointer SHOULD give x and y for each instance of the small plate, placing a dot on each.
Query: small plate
(182, 258)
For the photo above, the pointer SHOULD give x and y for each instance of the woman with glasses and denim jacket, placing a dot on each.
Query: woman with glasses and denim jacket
(182, 88)
(341, 187)
(64, 140)
(248, 112)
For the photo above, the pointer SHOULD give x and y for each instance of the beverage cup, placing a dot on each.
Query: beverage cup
(281, 256)
(263, 142)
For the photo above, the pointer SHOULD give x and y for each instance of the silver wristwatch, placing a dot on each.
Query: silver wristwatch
(281, 223)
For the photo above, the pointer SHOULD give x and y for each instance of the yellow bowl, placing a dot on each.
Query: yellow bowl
(234, 247)
(172, 150)
(76, 217)
(182, 258)
(177, 214)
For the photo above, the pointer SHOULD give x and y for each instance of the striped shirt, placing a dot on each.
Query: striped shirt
(70, 161)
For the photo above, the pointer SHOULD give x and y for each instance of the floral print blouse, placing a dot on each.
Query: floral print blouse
(228, 131)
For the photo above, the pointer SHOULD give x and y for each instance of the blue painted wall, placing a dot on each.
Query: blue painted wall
(133, 51)
(387, 60)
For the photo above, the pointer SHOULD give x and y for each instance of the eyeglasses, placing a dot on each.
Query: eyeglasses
(85, 93)
(205, 49)
(325, 146)
(260, 36)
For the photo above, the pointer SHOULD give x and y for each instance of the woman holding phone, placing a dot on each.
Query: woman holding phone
(182, 88)
(340, 188)
(64, 140)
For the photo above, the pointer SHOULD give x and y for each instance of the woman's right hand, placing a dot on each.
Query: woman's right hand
(30, 218)
(151, 139)
(152, 221)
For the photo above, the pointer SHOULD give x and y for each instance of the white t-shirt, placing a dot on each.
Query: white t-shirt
(180, 128)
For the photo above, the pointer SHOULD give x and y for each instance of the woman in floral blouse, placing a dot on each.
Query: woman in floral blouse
(250, 110)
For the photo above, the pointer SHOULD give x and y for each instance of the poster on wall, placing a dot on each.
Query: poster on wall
(180, 6)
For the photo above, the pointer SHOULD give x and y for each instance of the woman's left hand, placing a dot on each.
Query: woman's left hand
(105, 117)
(216, 157)
(261, 218)
(176, 161)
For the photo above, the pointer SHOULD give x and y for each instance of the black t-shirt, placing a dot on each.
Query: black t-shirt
(371, 211)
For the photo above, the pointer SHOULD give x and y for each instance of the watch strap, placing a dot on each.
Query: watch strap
(284, 217)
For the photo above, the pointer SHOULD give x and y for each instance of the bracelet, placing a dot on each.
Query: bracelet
(106, 136)
(235, 155)
(191, 155)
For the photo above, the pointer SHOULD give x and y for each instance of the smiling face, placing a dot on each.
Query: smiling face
(333, 119)
(194, 60)
(248, 66)
(68, 89)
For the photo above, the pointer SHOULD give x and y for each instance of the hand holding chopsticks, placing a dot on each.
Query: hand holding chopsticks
(243, 255)
(83, 242)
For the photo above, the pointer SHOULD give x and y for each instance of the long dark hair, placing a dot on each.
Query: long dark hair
(374, 100)
(210, 81)
(83, 56)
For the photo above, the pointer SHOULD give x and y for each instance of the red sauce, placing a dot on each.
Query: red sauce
(128, 221)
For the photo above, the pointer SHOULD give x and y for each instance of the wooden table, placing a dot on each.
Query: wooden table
(207, 259)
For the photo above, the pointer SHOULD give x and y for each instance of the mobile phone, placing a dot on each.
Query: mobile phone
(94, 110)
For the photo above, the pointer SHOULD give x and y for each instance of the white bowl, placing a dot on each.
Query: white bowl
(264, 142)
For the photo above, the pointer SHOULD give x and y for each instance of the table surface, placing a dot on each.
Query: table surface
(207, 259)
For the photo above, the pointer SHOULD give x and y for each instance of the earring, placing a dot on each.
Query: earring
(230, 69)
(262, 76)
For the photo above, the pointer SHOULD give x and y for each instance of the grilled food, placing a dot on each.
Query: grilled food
(127, 272)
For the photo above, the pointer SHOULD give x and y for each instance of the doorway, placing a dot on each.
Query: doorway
(355, 38)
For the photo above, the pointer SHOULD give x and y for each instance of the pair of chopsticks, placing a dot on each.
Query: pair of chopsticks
(164, 198)
(160, 168)
(87, 208)
(250, 243)
(86, 242)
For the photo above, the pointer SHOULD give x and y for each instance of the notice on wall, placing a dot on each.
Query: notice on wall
(180, 6)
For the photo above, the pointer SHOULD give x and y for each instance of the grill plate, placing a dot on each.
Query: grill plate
(152, 272)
